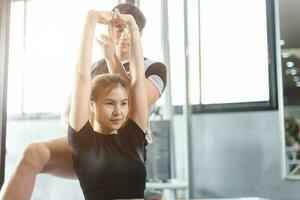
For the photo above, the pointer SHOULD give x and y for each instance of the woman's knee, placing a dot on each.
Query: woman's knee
(35, 156)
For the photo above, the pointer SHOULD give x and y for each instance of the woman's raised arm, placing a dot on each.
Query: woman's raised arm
(137, 73)
(79, 110)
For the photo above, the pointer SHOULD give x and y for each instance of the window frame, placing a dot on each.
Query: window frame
(272, 103)
(21, 113)
(4, 38)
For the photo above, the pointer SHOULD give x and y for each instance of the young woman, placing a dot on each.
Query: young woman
(108, 153)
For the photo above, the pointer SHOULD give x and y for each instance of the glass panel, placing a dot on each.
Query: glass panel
(151, 37)
(16, 58)
(177, 50)
(234, 51)
(194, 55)
(51, 39)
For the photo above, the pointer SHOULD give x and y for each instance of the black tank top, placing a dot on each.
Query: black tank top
(109, 166)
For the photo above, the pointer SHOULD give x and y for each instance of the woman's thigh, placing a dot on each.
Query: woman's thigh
(60, 163)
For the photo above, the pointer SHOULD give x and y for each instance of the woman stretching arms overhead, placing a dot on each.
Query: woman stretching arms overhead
(108, 152)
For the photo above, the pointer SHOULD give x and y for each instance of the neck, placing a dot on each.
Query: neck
(101, 129)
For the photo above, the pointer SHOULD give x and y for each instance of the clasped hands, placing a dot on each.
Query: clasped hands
(114, 20)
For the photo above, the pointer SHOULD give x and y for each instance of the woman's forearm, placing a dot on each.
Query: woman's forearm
(136, 54)
(79, 111)
(85, 49)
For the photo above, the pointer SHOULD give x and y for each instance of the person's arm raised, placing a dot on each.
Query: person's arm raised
(79, 110)
(137, 74)
(116, 67)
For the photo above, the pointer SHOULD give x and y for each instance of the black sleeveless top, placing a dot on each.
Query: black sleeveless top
(109, 166)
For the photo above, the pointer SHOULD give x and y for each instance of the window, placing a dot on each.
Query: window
(152, 37)
(16, 58)
(177, 50)
(44, 42)
(234, 51)
(230, 51)
(237, 54)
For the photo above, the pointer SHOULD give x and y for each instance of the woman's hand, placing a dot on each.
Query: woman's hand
(119, 19)
(102, 17)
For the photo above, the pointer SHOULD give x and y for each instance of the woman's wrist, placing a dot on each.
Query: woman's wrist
(103, 17)
(131, 21)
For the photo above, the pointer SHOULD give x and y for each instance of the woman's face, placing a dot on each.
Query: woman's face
(111, 111)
